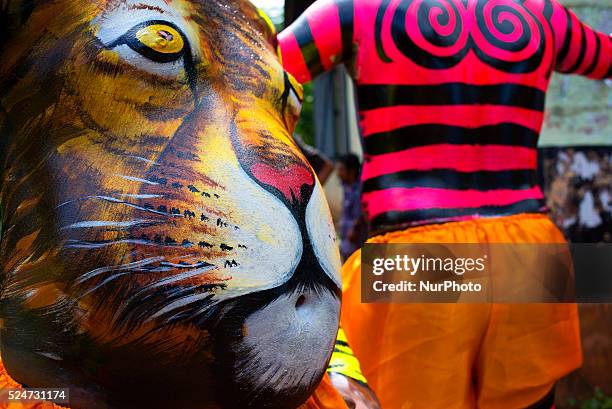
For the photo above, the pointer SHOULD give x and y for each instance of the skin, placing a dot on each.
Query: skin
(356, 395)
(161, 230)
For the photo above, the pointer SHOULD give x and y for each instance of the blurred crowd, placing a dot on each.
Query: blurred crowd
(577, 185)
(353, 223)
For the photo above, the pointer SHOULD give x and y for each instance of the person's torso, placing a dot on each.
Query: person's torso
(451, 100)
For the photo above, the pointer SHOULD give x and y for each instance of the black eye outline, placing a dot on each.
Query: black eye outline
(131, 40)
(289, 88)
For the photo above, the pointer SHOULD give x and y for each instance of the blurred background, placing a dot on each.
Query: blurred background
(575, 170)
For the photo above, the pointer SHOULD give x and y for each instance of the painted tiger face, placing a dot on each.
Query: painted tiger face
(161, 230)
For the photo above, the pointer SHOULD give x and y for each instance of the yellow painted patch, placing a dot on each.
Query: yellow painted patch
(343, 360)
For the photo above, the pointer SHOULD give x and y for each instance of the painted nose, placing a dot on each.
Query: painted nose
(294, 183)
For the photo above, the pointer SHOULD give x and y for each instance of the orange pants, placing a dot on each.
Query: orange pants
(460, 356)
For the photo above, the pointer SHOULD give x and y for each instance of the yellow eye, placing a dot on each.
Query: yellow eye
(292, 100)
(158, 40)
(161, 38)
(296, 87)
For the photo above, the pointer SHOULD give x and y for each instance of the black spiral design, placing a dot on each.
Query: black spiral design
(438, 34)
(508, 37)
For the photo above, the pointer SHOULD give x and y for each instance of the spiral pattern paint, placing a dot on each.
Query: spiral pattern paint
(451, 96)
(438, 34)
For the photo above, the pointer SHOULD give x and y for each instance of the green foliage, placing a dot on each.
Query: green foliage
(599, 401)
(305, 126)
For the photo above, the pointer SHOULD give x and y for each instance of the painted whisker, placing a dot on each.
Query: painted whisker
(132, 265)
(139, 180)
(176, 278)
(107, 223)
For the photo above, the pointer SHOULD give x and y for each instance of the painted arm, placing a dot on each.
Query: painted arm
(580, 49)
(345, 374)
(319, 39)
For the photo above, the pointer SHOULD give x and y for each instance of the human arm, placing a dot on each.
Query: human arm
(579, 49)
(345, 374)
(322, 37)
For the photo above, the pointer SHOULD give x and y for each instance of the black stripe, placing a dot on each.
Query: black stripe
(452, 179)
(380, 16)
(286, 93)
(582, 53)
(346, 12)
(337, 351)
(593, 65)
(342, 343)
(548, 10)
(310, 52)
(609, 72)
(380, 96)
(393, 221)
(568, 39)
(423, 135)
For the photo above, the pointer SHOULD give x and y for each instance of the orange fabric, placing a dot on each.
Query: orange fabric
(462, 356)
(325, 397)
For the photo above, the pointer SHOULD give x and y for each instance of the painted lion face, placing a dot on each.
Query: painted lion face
(161, 230)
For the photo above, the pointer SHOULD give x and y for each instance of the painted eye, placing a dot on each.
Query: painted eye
(158, 47)
(296, 87)
(292, 100)
(159, 41)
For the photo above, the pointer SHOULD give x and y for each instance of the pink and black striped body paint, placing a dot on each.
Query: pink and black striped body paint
(451, 96)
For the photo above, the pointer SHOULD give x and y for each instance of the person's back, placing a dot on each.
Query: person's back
(451, 100)
(451, 96)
